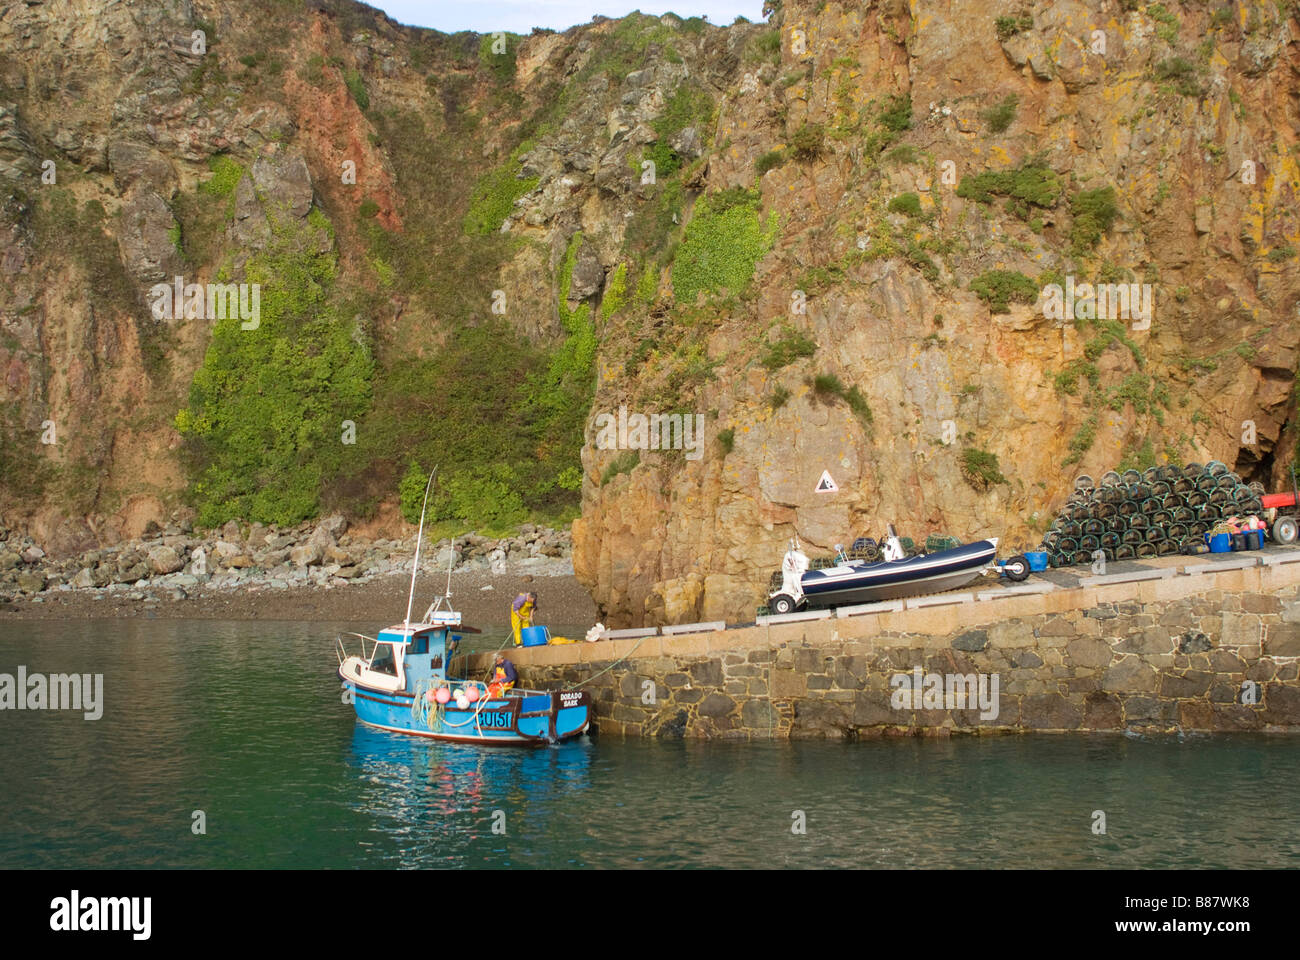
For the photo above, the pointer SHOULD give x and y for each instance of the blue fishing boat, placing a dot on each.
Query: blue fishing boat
(404, 684)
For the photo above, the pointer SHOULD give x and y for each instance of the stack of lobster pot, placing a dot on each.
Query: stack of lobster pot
(1158, 511)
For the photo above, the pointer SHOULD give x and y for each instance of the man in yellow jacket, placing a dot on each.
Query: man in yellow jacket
(521, 615)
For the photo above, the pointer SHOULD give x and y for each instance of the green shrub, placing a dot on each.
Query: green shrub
(721, 245)
(998, 288)
(1082, 441)
(484, 498)
(779, 397)
(769, 161)
(625, 462)
(262, 424)
(1026, 186)
(980, 468)
(858, 404)
(727, 439)
(902, 154)
(1000, 115)
(908, 204)
(1093, 211)
(616, 294)
(1008, 27)
(1182, 73)
(791, 347)
(689, 106)
(666, 160)
(827, 386)
(494, 196)
(1140, 459)
(896, 113)
(501, 65)
(357, 87)
(808, 142)
(410, 492)
(647, 287)
(226, 174)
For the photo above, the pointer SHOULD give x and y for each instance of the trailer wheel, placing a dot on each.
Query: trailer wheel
(1285, 530)
(782, 603)
(1016, 568)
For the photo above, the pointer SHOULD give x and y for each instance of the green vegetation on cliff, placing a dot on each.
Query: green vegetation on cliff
(264, 424)
(495, 194)
(998, 288)
(722, 244)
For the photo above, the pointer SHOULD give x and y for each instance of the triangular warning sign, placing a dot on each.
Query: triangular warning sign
(826, 484)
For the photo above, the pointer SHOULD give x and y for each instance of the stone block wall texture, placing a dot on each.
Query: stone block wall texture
(1158, 656)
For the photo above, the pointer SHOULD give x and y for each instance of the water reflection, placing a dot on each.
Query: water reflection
(447, 804)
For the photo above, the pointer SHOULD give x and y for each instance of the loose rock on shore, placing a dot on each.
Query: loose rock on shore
(176, 563)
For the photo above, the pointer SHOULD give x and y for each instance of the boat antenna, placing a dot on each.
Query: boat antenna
(418, 538)
(451, 561)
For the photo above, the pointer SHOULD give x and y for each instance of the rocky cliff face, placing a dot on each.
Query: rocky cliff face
(829, 236)
(1187, 112)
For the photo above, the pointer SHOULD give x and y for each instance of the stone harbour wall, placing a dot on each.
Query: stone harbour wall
(1214, 652)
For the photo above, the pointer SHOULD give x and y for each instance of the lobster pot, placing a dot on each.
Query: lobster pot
(1136, 514)
(936, 542)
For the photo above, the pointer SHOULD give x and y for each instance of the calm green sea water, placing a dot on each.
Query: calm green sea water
(244, 721)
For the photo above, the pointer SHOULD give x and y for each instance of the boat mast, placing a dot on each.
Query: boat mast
(419, 537)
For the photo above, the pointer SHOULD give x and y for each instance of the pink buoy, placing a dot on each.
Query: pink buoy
(428, 696)
(471, 694)
(442, 695)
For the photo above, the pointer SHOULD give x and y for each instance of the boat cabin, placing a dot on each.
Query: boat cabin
(406, 654)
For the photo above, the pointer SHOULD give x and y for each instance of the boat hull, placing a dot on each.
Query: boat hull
(914, 577)
(530, 720)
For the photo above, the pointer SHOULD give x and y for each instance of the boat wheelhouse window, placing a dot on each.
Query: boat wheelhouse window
(420, 644)
(383, 661)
